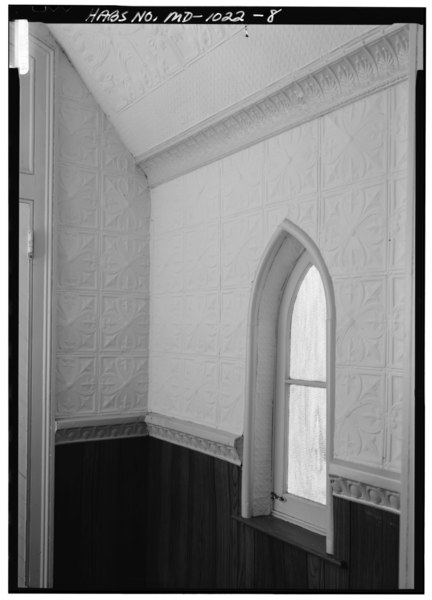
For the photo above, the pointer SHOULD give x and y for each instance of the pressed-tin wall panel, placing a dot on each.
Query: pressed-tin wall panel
(102, 211)
(341, 178)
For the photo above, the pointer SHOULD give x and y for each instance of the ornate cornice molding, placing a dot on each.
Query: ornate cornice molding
(365, 493)
(373, 65)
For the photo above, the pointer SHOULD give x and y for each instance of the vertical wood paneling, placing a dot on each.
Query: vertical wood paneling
(166, 499)
(179, 534)
(227, 501)
(203, 524)
(373, 549)
(278, 566)
(390, 554)
(146, 515)
(132, 502)
(192, 499)
(365, 564)
(316, 573)
(246, 557)
(338, 578)
(100, 503)
(68, 511)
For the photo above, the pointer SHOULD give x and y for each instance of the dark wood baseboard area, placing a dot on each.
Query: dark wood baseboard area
(145, 515)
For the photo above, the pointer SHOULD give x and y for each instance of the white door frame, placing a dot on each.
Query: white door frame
(41, 418)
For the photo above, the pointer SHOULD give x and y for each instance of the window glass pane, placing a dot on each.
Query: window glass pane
(308, 330)
(307, 442)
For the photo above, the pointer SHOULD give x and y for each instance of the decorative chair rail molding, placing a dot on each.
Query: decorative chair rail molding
(373, 65)
(220, 444)
(365, 493)
(70, 432)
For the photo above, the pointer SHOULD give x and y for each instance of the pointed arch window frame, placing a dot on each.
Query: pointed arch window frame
(297, 509)
(272, 275)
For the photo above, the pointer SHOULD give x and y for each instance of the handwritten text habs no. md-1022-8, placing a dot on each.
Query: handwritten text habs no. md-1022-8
(147, 16)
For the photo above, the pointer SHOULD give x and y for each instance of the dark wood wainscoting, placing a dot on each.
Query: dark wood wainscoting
(142, 515)
(99, 515)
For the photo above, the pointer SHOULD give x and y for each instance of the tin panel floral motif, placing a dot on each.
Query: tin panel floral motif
(360, 416)
(354, 142)
(361, 321)
(102, 256)
(354, 227)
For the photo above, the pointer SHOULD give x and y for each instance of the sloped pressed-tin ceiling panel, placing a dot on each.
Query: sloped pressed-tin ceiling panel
(128, 62)
(158, 82)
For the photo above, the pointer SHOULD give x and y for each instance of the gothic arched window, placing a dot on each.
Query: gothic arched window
(290, 387)
(300, 467)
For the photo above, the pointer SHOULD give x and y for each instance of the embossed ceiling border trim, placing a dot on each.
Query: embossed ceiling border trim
(365, 493)
(208, 440)
(370, 67)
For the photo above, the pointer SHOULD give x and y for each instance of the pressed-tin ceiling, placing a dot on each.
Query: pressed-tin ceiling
(159, 84)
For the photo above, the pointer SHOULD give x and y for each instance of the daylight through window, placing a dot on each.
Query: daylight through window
(300, 472)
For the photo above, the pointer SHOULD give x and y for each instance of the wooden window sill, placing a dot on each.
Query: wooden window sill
(310, 542)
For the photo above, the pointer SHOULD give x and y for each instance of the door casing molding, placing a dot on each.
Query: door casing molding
(40, 513)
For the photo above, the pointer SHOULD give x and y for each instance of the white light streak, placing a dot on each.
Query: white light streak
(22, 46)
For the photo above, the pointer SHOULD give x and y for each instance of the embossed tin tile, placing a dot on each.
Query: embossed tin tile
(360, 417)
(69, 83)
(393, 422)
(354, 229)
(201, 390)
(399, 126)
(78, 197)
(124, 323)
(102, 257)
(114, 156)
(167, 206)
(166, 323)
(398, 223)
(201, 195)
(242, 181)
(125, 205)
(241, 249)
(292, 163)
(76, 385)
(361, 328)
(201, 258)
(77, 259)
(234, 315)
(79, 137)
(123, 383)
(166, 385)
(354, 142)
(125, 263)
(167, 264)
(201, 324)
(77, 322)
(230, 412)
(396, 318)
